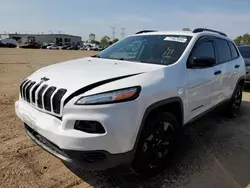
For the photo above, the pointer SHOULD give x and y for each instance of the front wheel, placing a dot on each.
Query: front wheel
(156, 144)
(234, 107)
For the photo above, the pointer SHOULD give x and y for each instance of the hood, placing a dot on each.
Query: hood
(76, 74)
(247, 61)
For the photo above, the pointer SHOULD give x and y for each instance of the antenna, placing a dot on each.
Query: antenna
(123, 32)
(113, 32)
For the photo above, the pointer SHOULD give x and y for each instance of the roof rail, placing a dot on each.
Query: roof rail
(198, 30)
(145, 31)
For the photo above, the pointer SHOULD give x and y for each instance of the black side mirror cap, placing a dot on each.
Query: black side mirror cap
(201, 62)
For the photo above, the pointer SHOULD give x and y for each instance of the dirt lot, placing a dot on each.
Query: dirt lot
(215, 152)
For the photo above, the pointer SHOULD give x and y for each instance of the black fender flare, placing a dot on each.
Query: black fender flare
(149, 110)
(242, 78)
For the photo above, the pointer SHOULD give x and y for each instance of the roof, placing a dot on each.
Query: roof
(199, 33)
(188, 33)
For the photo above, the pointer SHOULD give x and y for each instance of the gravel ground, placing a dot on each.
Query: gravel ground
(214, 152)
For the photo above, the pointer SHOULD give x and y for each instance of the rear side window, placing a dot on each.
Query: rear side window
(223, 51)
(234, 52)
(204, 49)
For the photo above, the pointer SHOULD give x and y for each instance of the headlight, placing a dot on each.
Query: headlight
(121, 95)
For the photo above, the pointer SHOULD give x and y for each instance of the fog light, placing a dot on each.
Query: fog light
(89, 127)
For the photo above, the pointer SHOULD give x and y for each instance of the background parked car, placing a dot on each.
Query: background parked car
(64, 47)
(73, 47)
(99, 48)
(53, 47)
(245, 52)
(2, 45)
(44, 46)
(82, 48)
(31, 45)
(8, 43)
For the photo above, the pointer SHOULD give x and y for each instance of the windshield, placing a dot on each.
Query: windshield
(155, 49)
(245, 52)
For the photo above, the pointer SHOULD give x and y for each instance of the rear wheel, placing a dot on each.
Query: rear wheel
(234, 107)
(156, 144)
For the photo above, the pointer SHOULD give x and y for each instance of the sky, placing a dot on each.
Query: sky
(82, 17)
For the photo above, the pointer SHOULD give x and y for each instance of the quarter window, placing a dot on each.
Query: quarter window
(223, 51)
(234, 52)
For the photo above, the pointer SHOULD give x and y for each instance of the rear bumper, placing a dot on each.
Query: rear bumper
(88, 160)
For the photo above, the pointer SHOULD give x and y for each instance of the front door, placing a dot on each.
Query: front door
(200, 80)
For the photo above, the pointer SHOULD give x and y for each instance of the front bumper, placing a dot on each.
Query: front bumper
(92, 151)
(89, 160)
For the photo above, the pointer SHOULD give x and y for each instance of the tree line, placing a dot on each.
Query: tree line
(243, 39)
(105, 40)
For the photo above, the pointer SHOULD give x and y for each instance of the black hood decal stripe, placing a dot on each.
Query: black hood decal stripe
(94, 85)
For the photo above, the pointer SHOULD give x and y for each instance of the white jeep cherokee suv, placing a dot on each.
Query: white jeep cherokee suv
(125, 105)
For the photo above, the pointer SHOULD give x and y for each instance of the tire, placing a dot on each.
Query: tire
(156, 144)
(233, 108)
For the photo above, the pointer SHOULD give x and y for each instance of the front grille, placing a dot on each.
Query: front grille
(28, 91)
(42, 95)
(24, 88)
(57, 100)
(47, 97)
(39, 96)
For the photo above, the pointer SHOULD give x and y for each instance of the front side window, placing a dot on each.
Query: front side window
(223, 51)
(154, 49)
(204, 49)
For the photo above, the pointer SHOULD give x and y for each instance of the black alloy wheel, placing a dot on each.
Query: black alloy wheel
(236, 101)
(156, 144)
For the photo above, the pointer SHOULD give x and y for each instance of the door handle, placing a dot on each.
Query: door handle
(217, 72)
(236, 66)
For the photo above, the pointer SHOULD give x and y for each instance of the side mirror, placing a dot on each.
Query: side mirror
(201, 62)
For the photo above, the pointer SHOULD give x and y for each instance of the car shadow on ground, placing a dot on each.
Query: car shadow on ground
(213, 152)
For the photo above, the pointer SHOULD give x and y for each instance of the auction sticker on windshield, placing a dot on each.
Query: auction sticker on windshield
(176, 39)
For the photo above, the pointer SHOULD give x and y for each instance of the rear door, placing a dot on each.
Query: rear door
(235, 66)
(224, 72)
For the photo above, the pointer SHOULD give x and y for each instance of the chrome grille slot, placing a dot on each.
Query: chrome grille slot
(24, 88)
(57, 100)
(47, 97)
(39, 96)
(21, 87)
(33, 93)
(42, 96)
(28, 91)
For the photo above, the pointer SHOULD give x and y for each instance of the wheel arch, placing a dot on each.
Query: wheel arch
(241, 81)
(161, 105)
